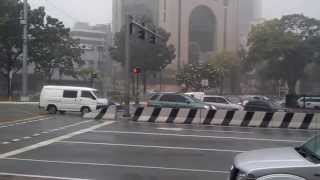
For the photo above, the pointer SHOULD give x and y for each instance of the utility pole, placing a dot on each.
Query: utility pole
(25, 52)
(129, 20)
(226, 4)
(179, 34)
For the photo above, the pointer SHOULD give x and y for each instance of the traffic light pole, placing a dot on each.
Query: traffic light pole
(127, 70)
(25, 52)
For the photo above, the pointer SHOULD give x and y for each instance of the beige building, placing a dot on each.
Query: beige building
(196, 26)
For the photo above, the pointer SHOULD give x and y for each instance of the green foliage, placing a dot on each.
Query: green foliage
(219, 67)
(282, 48)
(10, 39)
(52, 48)
(149, 57)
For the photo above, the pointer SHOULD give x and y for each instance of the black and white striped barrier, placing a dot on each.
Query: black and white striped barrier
(228, 118)
(107, 113)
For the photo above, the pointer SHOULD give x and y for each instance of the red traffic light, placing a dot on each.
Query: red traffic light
(136, 71)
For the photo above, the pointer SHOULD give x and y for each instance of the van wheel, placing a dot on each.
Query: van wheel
(85, 110)
(52, 109)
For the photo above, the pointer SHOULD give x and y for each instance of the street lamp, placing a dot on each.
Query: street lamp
(225, 4)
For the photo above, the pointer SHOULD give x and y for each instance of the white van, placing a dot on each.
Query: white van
(68, 98)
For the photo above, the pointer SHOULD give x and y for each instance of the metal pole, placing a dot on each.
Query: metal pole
(225, 24)
(25, 51)
(179, 34)
(127, 67)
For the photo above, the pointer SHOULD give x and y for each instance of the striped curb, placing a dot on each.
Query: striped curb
(107, 113)
(282, 120)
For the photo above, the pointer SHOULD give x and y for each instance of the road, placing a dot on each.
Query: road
(69, 147)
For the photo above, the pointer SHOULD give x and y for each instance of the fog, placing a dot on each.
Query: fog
(100, 11)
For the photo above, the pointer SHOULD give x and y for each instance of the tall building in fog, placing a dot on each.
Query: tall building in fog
(250, 13)
(196, 26)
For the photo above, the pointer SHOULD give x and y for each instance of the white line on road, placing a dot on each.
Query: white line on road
(27, 137)
(50, 141)
(199, 130)
(35, 135)
(27, 120)
(16, 140)
(4, 143)
(158, 147)
(198, 136)
(38, 176)
(120, 165)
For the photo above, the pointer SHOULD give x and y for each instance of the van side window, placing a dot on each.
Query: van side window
(87, 94)
(70, 94)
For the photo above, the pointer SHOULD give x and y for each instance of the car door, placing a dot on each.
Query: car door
(212, 101)
(69, 100)
(182, 102)
(87, 99)
(223, 104)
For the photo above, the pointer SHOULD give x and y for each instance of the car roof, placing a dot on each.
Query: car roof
(213, 96)
(69, 88)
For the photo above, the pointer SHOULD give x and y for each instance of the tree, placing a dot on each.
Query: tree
(10, 40)
(52, 48)
(285, 47)
(221, 66)
(149, 57)
(190, 76)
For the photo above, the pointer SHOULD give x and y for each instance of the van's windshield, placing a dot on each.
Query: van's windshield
(96, 94)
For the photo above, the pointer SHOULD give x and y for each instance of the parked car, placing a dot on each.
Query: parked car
(246, 99)
(289, 163)
(169, 100)
(221, 102)
(68, 98)
(265, 106)
(198, 95)
(309, 102)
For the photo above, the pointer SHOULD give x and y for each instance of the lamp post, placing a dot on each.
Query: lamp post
(225, 4)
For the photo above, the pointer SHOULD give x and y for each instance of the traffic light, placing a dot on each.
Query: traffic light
(131, 28)
(142, 33)
(136, 71)
(152, 39)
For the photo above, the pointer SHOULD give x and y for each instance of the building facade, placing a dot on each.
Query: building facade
(196, 26)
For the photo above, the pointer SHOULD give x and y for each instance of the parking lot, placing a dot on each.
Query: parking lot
(69, 147)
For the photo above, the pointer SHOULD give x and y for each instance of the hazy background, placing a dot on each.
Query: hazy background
(100, 11)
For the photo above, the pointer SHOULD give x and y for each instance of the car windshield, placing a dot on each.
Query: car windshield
(195, 99)
(312, 147)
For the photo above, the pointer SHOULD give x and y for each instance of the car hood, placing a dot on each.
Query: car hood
(270, 159)
(102, 101)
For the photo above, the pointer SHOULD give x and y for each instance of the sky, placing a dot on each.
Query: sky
(100, 11)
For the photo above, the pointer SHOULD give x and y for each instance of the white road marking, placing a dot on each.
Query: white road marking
(35, 135)
(3, 126)
(157, 147)
(27, 137)
(38, 176)
(50, 141)
(234, 127)
(44, 132)
(171, 129)
(16, 140)
(28, 120)
(120, 165)
(4, 143)
(198, 136)
(200, 130)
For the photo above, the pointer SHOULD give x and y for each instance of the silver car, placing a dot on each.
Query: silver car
(221, 102)
(301, 163)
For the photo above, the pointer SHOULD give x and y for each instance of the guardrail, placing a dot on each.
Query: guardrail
(220, 117)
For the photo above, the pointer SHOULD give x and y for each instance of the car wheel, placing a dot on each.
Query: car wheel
(62, 112)
(52, 109)
(85, 110)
